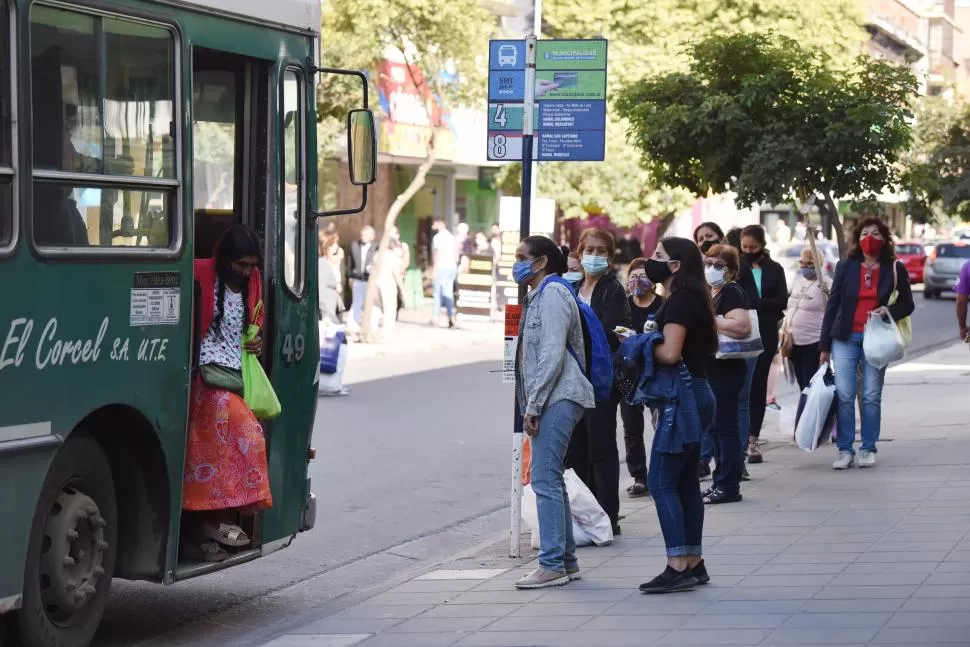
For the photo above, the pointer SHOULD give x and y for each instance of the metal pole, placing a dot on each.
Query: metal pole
(525, 216)
(537, 32)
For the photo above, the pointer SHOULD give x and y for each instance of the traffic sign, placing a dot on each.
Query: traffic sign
(570, 95)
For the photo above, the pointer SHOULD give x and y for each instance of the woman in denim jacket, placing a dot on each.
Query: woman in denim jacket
(553, 394)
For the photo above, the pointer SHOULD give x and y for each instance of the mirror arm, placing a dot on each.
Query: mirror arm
(357, 73)
(314, 215)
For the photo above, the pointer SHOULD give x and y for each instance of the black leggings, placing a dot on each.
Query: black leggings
(759, 383)
(804, 360)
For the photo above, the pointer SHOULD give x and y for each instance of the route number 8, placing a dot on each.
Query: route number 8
(499, 148)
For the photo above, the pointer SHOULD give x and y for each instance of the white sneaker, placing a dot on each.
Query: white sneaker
(844, 461)
(867, 458)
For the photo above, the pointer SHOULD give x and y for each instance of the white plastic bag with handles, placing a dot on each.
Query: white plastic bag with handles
(882, 343)
(591, 525)
(814, 410)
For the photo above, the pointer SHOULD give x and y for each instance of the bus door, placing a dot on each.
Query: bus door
(230, 165)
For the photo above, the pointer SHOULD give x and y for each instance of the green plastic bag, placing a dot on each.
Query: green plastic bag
(257, 390)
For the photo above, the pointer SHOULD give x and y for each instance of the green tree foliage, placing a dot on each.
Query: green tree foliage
(937, 175)
(444, 46)
(650, 38)
(761, 116)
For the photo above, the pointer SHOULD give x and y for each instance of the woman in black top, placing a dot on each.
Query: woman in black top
(592, 450)
(644, 304)
(769, 277)
(687, 322)
(722, 266)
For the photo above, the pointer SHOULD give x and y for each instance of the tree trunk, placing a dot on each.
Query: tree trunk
(366, 329)
(837, 223)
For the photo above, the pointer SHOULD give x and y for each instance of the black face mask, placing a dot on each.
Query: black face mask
(229, 276)
(754, 257)
(708, 244)
(657, 271)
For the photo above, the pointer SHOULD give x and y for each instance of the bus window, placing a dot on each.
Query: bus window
(103, 121)
(294, 209)
(214, 139)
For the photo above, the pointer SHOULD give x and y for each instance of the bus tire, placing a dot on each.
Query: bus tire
(72, 550)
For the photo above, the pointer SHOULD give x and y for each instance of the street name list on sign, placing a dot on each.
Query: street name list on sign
(570, 94)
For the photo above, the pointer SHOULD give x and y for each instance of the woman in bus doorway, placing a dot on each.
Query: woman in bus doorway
(863, 286)
(769, 277)
(226, 473)
(593, 451)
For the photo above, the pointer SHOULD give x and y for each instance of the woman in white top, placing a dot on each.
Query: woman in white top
(803, 323)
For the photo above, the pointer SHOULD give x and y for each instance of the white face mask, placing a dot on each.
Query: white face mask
(714, 276)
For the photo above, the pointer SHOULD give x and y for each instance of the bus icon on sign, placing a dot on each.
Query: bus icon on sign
(507, 55)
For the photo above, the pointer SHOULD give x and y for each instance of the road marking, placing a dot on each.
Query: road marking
(23, 432)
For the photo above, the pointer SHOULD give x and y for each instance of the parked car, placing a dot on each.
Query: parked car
(913, 256)
(788, 258)
(943, 268)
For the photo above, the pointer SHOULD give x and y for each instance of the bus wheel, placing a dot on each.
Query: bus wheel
(71, 555)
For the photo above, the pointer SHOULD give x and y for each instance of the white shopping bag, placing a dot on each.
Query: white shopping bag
(591, 525)
(882, 342)
(814, 413)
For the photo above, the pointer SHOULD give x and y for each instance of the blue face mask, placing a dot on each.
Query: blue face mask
(809, 273)
(595, 264)
(573, 277)
(522, 271)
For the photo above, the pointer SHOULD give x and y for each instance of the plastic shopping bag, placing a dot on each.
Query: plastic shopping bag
(331, 339)
(333, 383)
(882, 343)
(257, 390)
(590, 522)
(526, 462)
(530, 514)
(815, 409)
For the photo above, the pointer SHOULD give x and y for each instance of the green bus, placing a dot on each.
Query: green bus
(132, 134)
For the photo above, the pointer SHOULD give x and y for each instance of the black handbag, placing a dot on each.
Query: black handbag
(220, 377)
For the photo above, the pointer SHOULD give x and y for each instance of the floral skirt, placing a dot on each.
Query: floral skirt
(225, 456)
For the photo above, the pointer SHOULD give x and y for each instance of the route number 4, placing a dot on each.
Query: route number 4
(501, 116)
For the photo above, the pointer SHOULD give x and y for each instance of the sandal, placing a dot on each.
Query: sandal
(718, 496)
(638, 489)
(227, 535)
(209, 551)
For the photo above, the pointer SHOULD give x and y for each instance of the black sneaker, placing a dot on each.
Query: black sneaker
(700, 573)
(744, 473)
(670, 581)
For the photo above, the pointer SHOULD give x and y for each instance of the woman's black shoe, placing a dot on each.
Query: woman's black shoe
(715, 497)
(703, 469)
(700, 572)
(744, 473)
(670, 581)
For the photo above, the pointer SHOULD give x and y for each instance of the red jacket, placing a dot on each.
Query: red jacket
(205, 274)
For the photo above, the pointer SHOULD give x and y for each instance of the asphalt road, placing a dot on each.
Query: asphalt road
(413, 466)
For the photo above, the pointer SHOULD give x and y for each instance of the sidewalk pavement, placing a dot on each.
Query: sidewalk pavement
(810, 557)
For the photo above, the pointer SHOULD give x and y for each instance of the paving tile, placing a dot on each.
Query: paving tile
(755, 618)
(471, 611)
(861, 605)
(560, 609)
(943, 591)
(745, 637)
(351, 626)
(656, 605)
(891, 557)
(802, 569)
(538, 623)
(931, 619)
(846, 620)
(403, 611)
(775, 593)
(412, 640)
(411, 599)
(729, 606)
(512, 596)
(440, 625)
(821, 635)
(436, 586)
(938, 604)
(512, 639)
(635, 623)
(897, 567)
(468, 574)
(764, 581)
(921, 636)
(891, 578)
(852, 592)
(575, 594)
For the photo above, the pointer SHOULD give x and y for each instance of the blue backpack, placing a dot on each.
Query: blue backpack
(599, 357)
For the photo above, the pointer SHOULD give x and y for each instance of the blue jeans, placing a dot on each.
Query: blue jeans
(744, 405)
(444, 289)
(846, 356)
(676, 489)
(557, 548)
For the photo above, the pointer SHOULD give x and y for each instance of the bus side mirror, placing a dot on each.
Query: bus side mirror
(361, 147)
